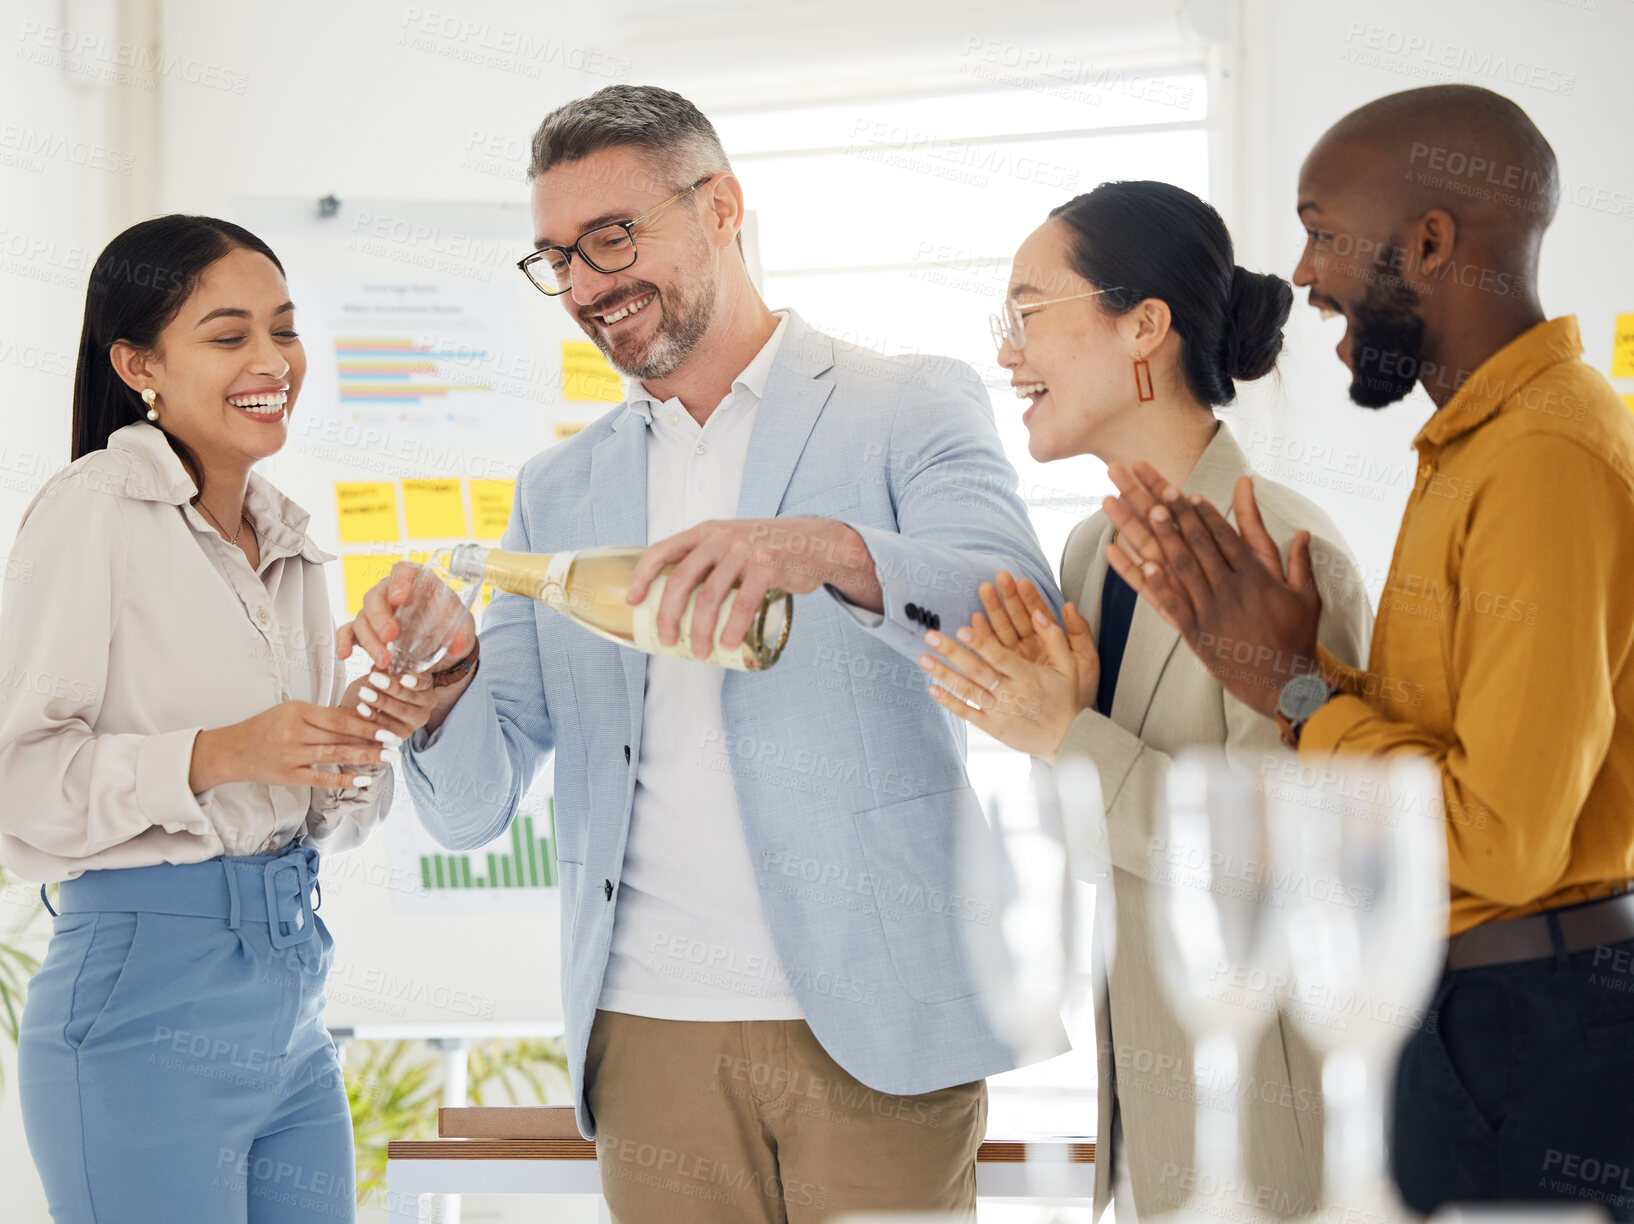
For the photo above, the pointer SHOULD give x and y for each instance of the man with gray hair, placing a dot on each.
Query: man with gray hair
(768, 984)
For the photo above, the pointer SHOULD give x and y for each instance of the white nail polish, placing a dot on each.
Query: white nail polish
(387, 738)
(366, 711)
(380, 678)
(368, 694)
(411, 681)
(393, 755)
(362, 781)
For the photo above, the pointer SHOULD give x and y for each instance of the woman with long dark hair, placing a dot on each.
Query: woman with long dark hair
(177, 745)
(1127, 322)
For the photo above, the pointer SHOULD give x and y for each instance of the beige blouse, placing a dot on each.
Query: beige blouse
(127, 625)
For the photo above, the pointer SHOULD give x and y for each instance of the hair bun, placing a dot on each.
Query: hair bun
(1258, 311)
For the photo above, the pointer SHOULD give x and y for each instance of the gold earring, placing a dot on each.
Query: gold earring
(148, 396)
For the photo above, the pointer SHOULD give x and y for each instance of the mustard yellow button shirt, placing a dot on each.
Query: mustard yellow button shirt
(1504, 644)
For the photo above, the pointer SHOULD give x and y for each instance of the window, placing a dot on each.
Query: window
(891, 226)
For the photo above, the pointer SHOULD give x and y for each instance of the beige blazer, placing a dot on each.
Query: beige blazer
(1166, 701)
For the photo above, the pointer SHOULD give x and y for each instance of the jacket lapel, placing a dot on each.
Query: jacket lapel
(1152, 643)
(1088, 595)
(618, 506)
(788, 411)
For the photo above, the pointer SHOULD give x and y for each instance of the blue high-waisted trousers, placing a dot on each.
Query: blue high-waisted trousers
(172, 1064)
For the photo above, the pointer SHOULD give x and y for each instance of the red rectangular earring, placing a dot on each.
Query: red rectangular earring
(1143, 380)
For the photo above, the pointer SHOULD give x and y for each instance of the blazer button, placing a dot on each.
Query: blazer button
(912, 612)
(935, 622)
(626, 754)
(607, 888)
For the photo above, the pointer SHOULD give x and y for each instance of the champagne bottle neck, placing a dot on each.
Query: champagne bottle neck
(468, 561)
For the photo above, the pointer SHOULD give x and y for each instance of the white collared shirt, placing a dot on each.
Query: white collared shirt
(690, 938)
(127, 625)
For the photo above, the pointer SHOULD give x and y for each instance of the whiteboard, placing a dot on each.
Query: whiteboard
(440, 276)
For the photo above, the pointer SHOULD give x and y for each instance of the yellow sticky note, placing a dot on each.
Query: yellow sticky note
(368, 511)
(362, 571)
(587, 376)
(565, 431)
(1629, 400)
(491, 507)
(1622, 348)
(434, 508)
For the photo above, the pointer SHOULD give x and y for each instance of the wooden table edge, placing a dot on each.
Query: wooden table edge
(994, 1151)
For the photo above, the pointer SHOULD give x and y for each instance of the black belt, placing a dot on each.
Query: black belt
(1580, 927)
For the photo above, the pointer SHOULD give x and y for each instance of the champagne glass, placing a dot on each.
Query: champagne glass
(1216, 936)
(1024, 947)
(1366, 903)
(1089, 850)
(428, 619)
(1018, 894)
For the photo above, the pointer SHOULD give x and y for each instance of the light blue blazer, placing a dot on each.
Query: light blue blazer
(850, 779)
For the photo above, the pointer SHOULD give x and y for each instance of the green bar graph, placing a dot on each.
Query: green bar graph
(522, 860)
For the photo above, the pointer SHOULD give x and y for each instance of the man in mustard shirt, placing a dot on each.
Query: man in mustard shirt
(1504, 645)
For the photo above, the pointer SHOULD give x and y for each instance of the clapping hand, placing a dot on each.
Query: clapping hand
(1250, 619)
(1015, 673)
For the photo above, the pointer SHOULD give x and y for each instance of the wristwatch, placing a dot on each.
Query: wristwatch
(1300, 698)
(458, 672)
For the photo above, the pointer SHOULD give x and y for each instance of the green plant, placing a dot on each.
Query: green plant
(394, 1089)
(17, 963)
(531, 1071)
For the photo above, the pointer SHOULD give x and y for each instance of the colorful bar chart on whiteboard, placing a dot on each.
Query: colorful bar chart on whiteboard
(524, 860)
(429, 374)
(396, 370)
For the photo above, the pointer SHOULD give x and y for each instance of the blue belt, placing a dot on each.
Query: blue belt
(280, 890)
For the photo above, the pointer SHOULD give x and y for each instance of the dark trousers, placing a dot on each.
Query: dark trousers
(1520, 1085)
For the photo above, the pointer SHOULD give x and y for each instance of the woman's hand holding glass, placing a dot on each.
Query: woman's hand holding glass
(398, 705)
(1016, 673)
(411, 621)
(285, 745)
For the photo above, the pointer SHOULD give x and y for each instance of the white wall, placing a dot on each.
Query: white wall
(1303, 65)
(68, 163)
(358, 98)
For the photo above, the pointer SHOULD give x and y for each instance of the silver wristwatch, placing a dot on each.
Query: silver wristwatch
(1300, 698)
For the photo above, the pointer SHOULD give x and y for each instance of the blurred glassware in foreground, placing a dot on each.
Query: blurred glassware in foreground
(1014, 911)
(1216, 935)
(1019, 925)
(1362, 845)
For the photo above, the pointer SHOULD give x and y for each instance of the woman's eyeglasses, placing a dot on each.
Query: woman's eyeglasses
(1008, 326)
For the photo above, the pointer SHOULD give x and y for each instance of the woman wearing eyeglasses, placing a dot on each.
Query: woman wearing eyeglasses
(1126, 323)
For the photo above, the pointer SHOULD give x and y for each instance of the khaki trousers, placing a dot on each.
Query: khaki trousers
(720, 1122)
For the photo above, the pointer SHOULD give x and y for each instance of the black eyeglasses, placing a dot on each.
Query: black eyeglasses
(607, 248)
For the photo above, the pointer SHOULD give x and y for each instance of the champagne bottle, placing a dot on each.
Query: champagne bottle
(587, 586)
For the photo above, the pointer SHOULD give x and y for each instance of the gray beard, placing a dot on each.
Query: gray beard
(677, 336)
(683, 321)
